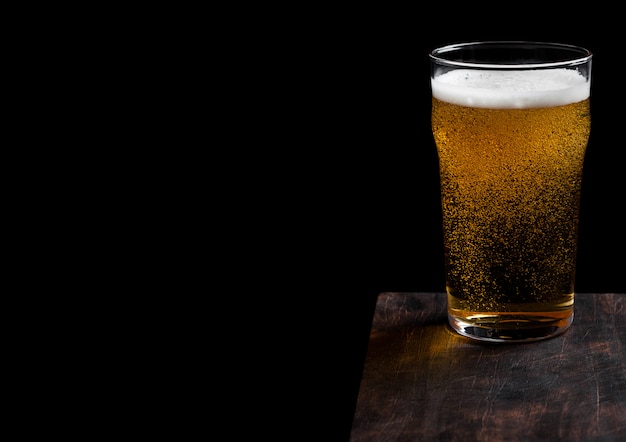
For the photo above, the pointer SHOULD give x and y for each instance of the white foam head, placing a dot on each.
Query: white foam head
(511, 89)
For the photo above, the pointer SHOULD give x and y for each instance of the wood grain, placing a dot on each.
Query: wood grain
(422, 381)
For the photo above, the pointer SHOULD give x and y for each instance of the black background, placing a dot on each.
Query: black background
(368, 184)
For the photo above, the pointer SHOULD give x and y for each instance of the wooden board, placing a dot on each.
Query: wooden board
(422, 381)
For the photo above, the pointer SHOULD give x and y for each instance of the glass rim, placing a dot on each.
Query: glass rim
(580, 54)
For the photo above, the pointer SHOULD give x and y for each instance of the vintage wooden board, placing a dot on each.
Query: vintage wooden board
(422, 381)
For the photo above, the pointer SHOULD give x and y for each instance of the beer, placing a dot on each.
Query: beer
(511, 146)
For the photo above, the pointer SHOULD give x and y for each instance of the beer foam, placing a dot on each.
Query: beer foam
(511, 89)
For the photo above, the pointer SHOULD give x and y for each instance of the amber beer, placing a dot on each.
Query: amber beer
(511, 145)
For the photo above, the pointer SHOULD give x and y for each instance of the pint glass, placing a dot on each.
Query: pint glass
(511, 122)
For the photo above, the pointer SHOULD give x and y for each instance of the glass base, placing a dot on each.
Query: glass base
(510, 327)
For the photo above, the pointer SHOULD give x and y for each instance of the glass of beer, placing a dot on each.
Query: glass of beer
(511, 122)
